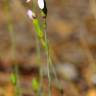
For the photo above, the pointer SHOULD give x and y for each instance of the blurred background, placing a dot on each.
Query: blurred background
(71, 30)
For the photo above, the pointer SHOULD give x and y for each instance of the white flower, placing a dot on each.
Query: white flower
(41, 4)
(31, 14)
(28, 1)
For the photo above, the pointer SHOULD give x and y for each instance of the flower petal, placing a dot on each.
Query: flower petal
(31, 14)
(41, 4)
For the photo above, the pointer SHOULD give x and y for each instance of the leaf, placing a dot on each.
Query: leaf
(37, 28)
(35, 84)
(13, 79)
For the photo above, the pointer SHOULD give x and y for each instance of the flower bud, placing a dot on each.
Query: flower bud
(41, 4)
(31, 14)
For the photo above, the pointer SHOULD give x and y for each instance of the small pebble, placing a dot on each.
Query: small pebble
(67, 71)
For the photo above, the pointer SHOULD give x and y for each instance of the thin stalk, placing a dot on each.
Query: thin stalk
(43, 43)
(39, 64)
(13, 48)
(16, 71)
(42, 37)
(49, 56)
(38, 53)
(48, 59)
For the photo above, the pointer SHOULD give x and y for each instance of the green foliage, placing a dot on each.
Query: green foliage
(35, 84)
(37, 28)
(13, 79)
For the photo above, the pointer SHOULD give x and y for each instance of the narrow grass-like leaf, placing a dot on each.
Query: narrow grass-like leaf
(37, 28)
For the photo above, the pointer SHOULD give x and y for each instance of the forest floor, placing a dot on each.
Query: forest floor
(71, 29)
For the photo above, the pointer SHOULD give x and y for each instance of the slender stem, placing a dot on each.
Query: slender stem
(42, 36)
(38, 53)
(13, 48)
(39, 64)
(48, 56)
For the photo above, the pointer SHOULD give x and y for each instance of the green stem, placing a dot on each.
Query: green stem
(48, 54)
(44, 44)
(13, 48)
(39, 63)
(48, 63)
